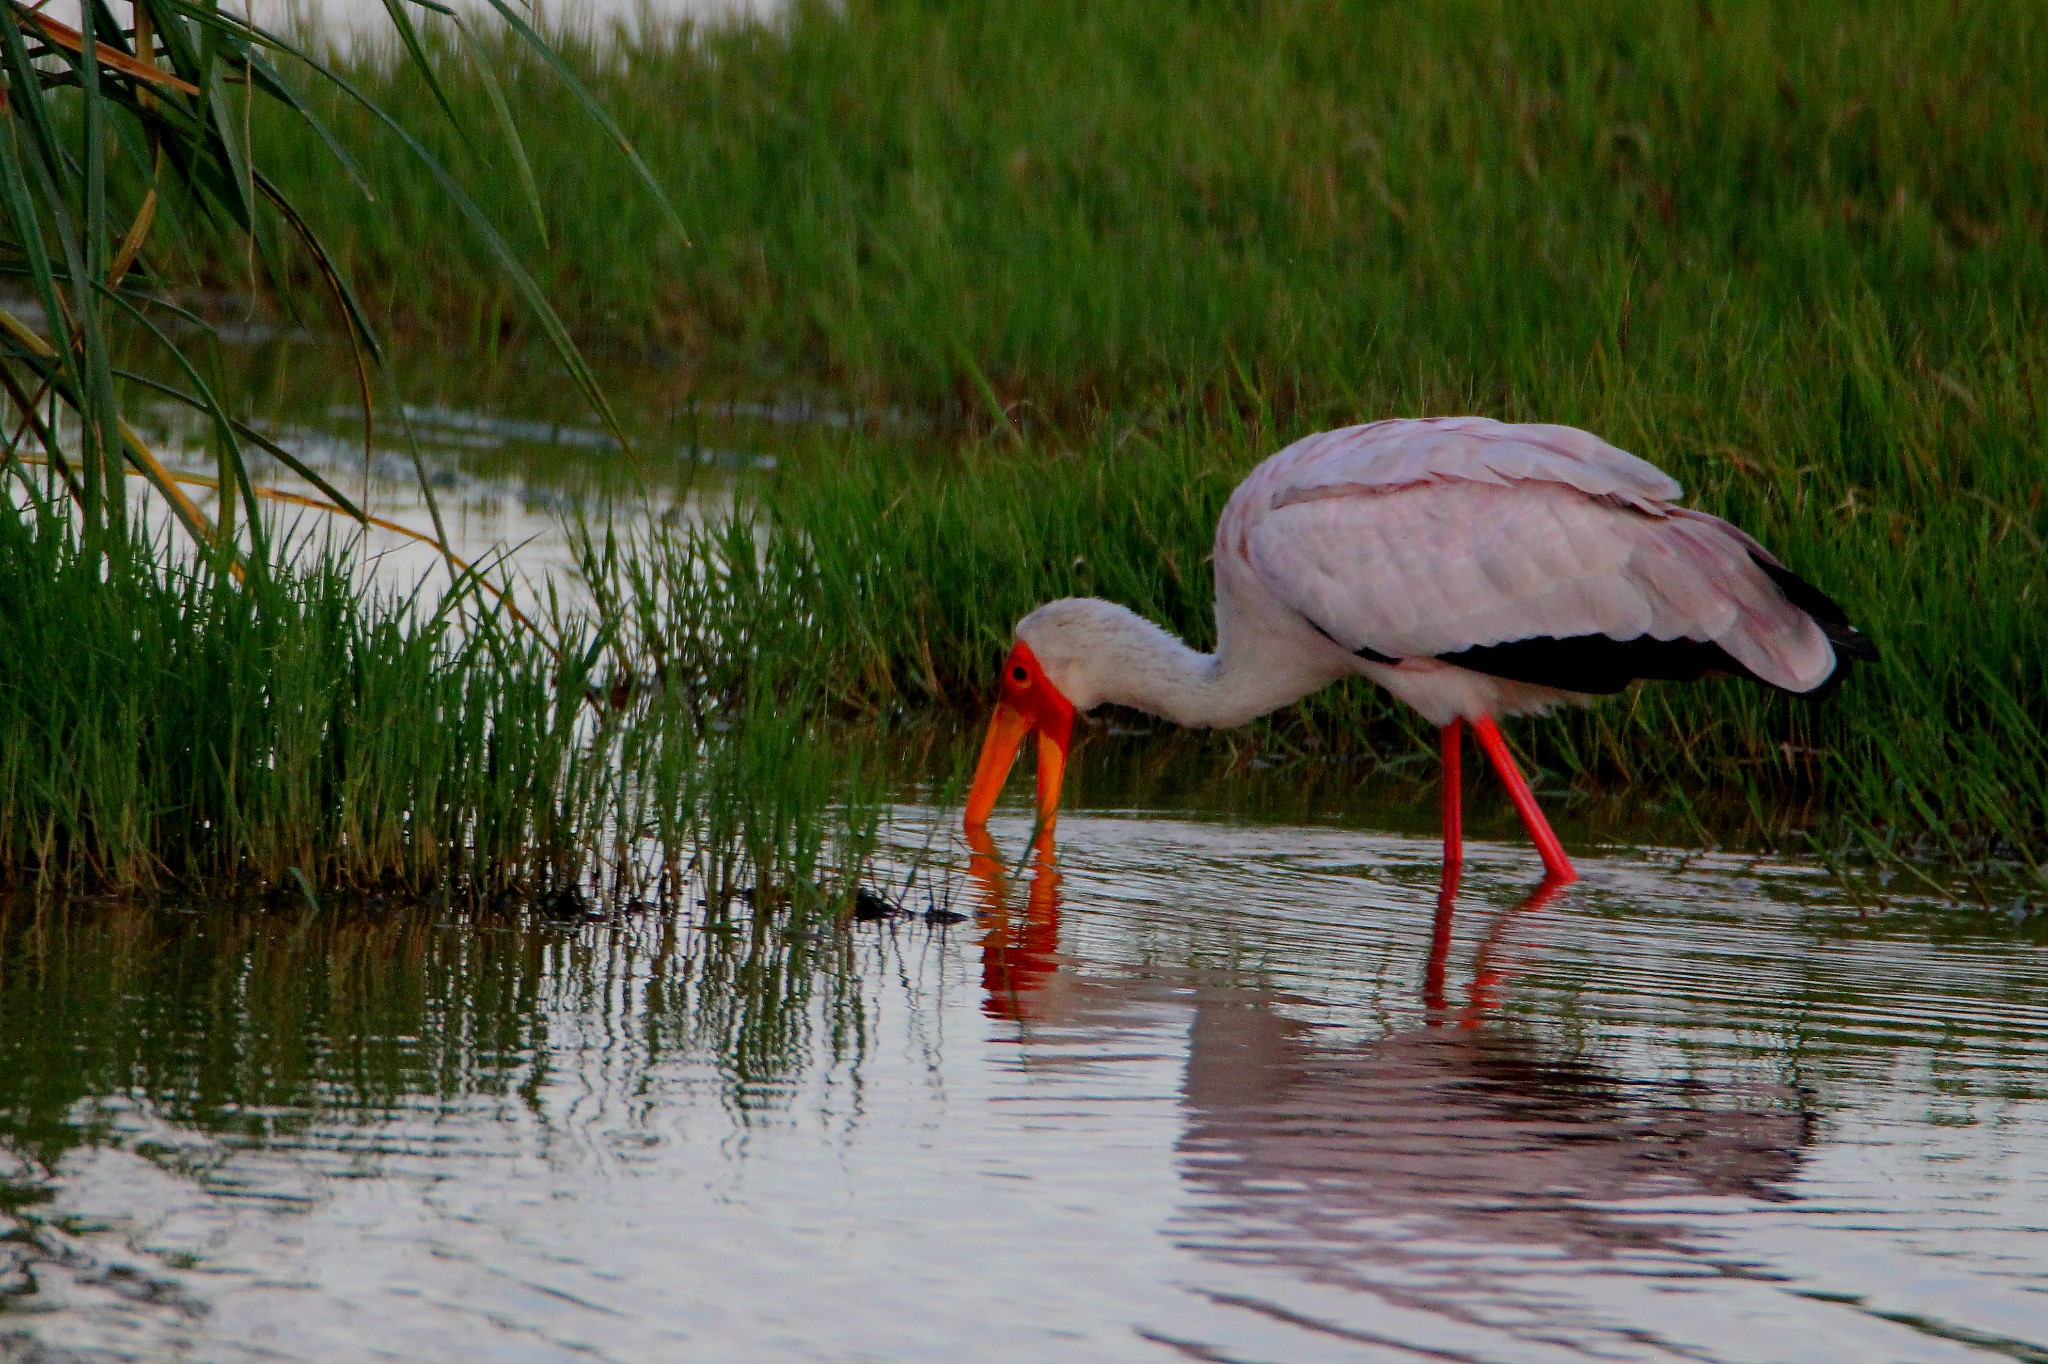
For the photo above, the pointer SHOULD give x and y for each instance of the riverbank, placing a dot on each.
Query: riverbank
(169, 728)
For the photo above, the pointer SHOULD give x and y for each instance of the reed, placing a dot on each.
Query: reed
(218, 715)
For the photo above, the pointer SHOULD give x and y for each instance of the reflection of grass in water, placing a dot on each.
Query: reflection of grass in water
(164, 728)
(249, 1026)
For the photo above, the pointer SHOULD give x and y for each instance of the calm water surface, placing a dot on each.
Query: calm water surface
(1194, 1092)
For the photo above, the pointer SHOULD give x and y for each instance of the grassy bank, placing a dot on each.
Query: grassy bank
(1795, 254)
(1451, 203)
(166, 728)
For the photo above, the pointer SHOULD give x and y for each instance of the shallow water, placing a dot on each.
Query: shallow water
(368, 20)
(504, 452)
(1193, 1093)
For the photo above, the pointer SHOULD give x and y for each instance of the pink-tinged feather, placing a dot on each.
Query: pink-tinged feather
(1388, 454)
(1417, 538)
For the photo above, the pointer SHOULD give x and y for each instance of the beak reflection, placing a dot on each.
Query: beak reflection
(1020, 954)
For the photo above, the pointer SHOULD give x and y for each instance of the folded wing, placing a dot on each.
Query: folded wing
(1554, 562)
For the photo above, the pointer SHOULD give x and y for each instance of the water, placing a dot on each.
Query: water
(1193, 1093)
(347, 20)
(507, 453)
(1205, 1090)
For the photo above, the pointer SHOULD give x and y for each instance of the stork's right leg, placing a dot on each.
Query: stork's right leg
(1556, 865)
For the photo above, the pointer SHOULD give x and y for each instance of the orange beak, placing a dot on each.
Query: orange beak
(1027, 704)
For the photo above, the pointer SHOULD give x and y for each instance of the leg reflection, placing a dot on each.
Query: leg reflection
(1489, 971)
(1019, 954)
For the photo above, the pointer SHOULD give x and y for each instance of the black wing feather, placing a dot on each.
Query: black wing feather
(1598, 665)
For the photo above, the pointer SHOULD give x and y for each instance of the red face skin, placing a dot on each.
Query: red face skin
(1027, 703)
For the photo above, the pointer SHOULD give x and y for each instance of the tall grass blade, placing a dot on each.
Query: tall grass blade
(596, 110)
(508, 127)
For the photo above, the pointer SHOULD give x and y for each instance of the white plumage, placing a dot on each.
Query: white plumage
(1414, 539)
(1390, 454)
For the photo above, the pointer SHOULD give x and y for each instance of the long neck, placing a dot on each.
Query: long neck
(1140, 665)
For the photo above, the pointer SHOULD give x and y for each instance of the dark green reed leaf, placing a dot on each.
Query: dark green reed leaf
(344, 295)
(480, 63)
(481, 223)
(253, 437)
(595, 109)
(224, 426)
(94, 120)
(410, 37)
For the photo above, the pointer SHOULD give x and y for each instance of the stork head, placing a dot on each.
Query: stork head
(1027, 702)
(1072, 655)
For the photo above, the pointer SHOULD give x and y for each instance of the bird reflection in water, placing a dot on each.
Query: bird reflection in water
(1019, 951)
(1424, 1166)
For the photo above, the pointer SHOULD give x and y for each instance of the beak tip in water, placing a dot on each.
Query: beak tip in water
(1029, 704)
(1006, 731)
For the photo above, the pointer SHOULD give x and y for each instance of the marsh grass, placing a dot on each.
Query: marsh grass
(1793, 254)
(166, 728)
(1454, 202)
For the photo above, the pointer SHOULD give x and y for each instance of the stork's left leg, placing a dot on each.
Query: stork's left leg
(1454, 811)
(1556, 865)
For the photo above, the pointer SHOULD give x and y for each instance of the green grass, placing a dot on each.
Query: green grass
(1458, 203)
(1794, 254)
(164, 728)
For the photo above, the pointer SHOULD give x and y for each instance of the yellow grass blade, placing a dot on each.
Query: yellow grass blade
(71, 40)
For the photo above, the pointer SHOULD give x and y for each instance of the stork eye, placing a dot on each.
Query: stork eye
(1021, 673)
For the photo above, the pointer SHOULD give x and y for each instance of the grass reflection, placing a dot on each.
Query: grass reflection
(252, 1027)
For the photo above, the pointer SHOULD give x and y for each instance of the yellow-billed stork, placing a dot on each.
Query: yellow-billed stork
(1473, 568)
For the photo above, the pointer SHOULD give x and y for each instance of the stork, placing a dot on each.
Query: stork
(1473, 568)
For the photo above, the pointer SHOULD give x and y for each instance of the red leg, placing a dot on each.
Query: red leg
(1454, 809)
(1556, 865)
